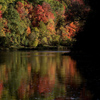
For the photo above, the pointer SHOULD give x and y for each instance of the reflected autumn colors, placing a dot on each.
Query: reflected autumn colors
(41, 76)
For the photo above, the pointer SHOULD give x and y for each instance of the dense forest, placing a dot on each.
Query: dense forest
(32, 23)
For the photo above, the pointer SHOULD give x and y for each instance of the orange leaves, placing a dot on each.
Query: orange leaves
(72, 25)
(51, 27)
(70, 30)
(48, 11)
(28, 30)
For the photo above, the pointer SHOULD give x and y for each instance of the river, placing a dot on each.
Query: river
(42, 75)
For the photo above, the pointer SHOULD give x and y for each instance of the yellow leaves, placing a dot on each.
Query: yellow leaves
(44, 40)
(35, 43)
(36, 29)
(2, 32)
(3, 29)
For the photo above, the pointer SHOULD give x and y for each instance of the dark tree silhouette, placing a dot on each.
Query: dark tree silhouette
(88, 39)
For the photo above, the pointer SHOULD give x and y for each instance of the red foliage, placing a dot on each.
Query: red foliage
(29, 8)
(19, 4)
(1, 88)
(43, 13)
(40, 14)
(0, 14)
(21, 10)
(25, 10)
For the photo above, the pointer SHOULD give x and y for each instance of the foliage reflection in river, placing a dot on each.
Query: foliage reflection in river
(40, 75)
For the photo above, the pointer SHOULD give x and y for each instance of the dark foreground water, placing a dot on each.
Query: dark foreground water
(43, 75)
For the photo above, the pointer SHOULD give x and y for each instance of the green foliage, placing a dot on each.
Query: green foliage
(33, 37)
(60, 22)
(17, 27)
(56, 6)
(43, 29)
(43, 33)
(67, 3)
(5, 4)
(44, 40)
(41, 1)
(13, 19)
(33, 43)
(36, 22)
(56, 40)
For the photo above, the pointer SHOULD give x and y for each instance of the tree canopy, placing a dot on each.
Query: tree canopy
(51, 22)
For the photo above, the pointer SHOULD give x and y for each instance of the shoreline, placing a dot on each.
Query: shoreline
(22, 48)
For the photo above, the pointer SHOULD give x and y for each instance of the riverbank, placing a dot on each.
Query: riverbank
(22, 48)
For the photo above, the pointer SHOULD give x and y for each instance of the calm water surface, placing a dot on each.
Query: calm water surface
(40, 75)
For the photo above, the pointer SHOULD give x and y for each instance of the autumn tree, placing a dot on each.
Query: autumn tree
(46, 22)
(57, 7)
(69, 31)
(42, 13)
(43, 33)
(14, 25)
(21, 10)
(5, 4)
(0, 14)
(29, 9)
(77, 11)
(33, 37)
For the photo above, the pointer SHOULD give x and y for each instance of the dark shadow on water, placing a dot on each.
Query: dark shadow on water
(88, 41)
(89, 67)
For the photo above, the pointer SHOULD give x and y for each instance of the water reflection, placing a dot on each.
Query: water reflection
(40, 76)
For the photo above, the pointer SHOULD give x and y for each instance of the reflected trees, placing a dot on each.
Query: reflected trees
(41, 75)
